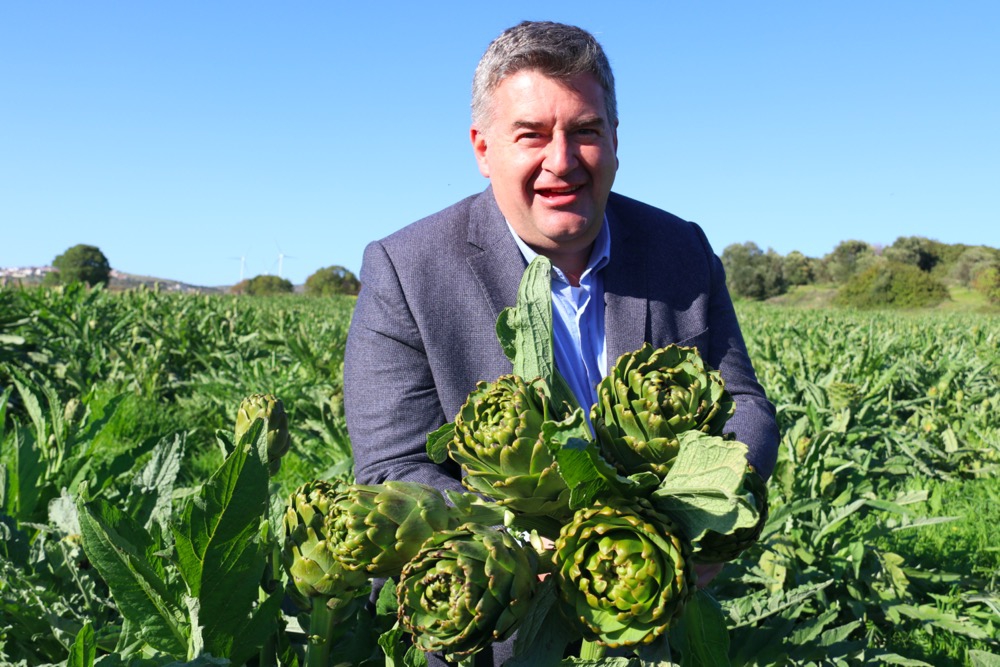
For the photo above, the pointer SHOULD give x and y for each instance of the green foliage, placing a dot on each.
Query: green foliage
(889, 429)
(987, 281)
(264, 285)
(752, 273)
(892, 285)
(971, 262)
(332, 280)
(83, 263)
(797, 269)
(847, 259)
(916, 251)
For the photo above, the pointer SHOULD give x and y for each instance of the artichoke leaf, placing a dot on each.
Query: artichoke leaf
(701, 635)
(704, 488)
(437, 442)
(590, 476)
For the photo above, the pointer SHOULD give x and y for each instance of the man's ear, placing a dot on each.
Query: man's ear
(479, 148)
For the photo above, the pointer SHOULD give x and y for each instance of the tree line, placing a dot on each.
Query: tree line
(87, 264)
(912, 272)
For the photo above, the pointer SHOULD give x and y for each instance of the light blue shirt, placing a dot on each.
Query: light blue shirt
(579, 341)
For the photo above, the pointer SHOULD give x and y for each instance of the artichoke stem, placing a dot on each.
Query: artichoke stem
(322, 622)
(591, 651)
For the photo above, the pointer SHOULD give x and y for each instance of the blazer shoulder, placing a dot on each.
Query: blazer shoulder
(656, 226)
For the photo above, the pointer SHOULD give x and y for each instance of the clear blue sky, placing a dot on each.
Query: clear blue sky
(180, 136)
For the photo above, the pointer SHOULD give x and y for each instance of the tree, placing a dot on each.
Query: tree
(914, 250)
(796, 269)
(83, 263)
(751, 273)
(332, 280)
(847, 259)
(264, 285)
(972, 261)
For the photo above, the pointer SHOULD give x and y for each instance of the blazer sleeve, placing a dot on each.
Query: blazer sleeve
(390, 399)
(753, 422)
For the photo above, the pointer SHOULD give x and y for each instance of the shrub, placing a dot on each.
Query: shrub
(891, 284)
(264, 285)
(332, 280)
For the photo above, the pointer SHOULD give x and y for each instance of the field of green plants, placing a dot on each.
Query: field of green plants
(117, 413)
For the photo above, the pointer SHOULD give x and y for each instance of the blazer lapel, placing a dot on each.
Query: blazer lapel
(498, 263)
(625, 303)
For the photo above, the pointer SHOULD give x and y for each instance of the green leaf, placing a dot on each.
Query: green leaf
(701, 635)
(983, 659)
(544, 633)
(152, 489)
(587, 473)
(437, 442)
(532, 322)
(704, 488)
(122, 553)
(219, 548)
(84, 649)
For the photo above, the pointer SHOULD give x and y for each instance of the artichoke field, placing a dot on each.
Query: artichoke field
(116, 550)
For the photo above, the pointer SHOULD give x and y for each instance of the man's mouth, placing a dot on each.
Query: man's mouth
(558, 192)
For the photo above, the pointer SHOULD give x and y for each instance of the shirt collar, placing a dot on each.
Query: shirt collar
(600, 254)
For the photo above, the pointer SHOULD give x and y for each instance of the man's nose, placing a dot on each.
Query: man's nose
(560, 155)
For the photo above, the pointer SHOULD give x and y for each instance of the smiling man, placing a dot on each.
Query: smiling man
(544, 132)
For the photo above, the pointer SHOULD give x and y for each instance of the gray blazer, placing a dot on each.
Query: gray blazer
(423, 334)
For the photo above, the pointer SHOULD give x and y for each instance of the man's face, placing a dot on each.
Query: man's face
(549, 151)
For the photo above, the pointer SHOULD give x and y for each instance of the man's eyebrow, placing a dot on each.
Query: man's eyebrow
(581, 124)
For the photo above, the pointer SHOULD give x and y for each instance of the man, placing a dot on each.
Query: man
(544, 132)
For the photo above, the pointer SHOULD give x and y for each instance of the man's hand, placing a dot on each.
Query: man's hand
(707, 572)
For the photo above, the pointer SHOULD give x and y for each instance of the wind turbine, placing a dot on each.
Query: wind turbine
(243, 264)
(281, 260)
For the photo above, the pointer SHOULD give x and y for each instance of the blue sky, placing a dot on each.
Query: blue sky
(181, 136)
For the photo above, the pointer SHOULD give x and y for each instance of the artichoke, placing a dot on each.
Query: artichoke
(311, 535)
(382, 526)
(719, 548)
(623, 573)
(499, 444)
(271, 410)
(466, 588)
(648, 399)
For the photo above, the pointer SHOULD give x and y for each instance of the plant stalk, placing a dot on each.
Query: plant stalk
(592, 651)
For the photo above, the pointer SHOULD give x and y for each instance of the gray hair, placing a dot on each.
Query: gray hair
(554, 49)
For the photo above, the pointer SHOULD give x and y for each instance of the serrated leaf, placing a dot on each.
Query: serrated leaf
(219, 550)
(120, 550)
(152, 489)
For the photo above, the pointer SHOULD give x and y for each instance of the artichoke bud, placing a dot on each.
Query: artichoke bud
(716, 547)
(73, 411)
(623, 573)
(272, 411)
(311, 534)
(501, 447)
(466, 588)
(650, 397)
(381, 527)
